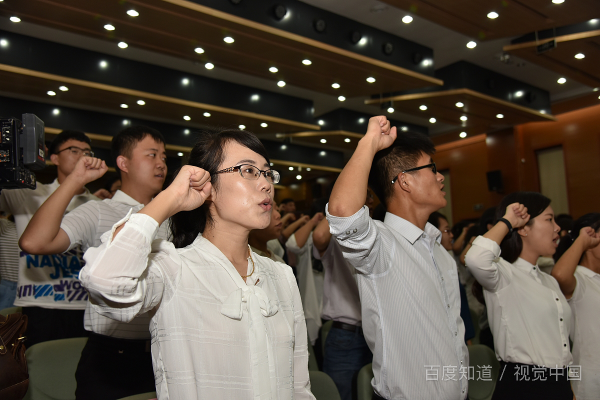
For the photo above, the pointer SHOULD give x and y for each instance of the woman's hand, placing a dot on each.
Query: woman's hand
(587, 239)
(517, 215)
(190, 188)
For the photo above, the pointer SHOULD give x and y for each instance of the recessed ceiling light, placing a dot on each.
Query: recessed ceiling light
(463, 135)
(361, 120)
(141, 102)
(596, 89)
(558, 1)
(542, 111)
(323, 141)
(404, 128)
(347, 140)
(298, 177)
(273, 69)
(264, 124)
(519, 93)
(186, 117)
(242, 127)
(123, 45)
(56, 111)
(390, 110)
(306, 61)
(63, 88)
(126, 122)
(493, 15)
(407, 19)
(255, 97)
(499, 115)
(124, 105)
(186, 131)
(199, 50)
(209, 65)
(308, 169)
(323, 153)
(432, 120)
(283, 147)
(3, 42)
(133, 13)
(321, 122)
(103, 64)
(370, 79)
(180, 154)
(341, 98)
(15, 19)
(51, 93)
(228, 39)
(471, 45)
(185, 81)
(335, 85)
(561, 80)
(291, 168)
(281, 83)
(363, 41)
(460, 104)
(463, 118)
(271, 164)
(579, 56)
(109, 27)
(423, 107)
(206, 114)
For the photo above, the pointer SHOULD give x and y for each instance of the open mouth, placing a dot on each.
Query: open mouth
(266, 204)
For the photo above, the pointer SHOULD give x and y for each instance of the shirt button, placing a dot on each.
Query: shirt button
(534, 268)
(448, 305)
(347, 232)
(455, 333)
(557, 299)
(355, 230)
(565, 345)
(561, 320)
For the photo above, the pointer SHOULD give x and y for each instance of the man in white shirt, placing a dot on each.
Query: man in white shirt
(116, 361)
(48, 288)
(407, 281)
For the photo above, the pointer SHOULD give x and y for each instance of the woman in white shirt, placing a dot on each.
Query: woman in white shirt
(228, 323)
(577, 271)
(528, 314)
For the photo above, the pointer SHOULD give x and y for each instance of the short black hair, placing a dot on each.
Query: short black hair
(403, 154)
(65, 136)
(565, 221)
(125, 141)
(287, 200)
(434, 219)
(592, 220)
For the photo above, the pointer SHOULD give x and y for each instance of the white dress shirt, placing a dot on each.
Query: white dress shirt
(528, 314)
(84, 226)
(214, 336)
(586, 344)
(410, 300)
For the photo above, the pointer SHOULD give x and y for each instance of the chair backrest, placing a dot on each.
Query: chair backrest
(324, 331)
(364, 389)
(486, 369)
(143, 396)
(312, 359)
(10, 310)
(475, 319)
(52, 368)
(323, 387)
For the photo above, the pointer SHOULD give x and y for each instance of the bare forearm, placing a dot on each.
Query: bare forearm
(322, 236)
(303, 233)
(291, 228)
(564, 269)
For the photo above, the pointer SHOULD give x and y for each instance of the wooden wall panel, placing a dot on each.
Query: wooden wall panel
(502, 155)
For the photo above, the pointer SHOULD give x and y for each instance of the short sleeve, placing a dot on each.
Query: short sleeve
(579, 291)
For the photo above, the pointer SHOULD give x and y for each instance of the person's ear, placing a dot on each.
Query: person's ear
(122, 163)
(524, 231)
(54, 158)
(404, 182)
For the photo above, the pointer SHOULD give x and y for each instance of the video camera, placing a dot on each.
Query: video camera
(22, 149)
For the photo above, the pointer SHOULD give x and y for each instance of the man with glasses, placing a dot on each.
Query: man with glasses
(48, 288)
(407, 281)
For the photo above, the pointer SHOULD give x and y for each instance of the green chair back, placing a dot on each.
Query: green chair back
(364, 390)
(52, 368)
(475, 319)
(312, 360)
(324, 331)
(143, 396)
(10, 310)
(322, 386)
(480, 356)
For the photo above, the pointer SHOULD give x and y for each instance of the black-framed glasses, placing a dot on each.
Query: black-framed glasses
(432, 166)
(77, 151)
(249, 171)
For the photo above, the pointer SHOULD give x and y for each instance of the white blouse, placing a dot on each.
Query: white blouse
(214, 336)
(528, 314)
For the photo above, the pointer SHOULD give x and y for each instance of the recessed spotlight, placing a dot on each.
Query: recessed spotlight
(255, 97)
(124, 105)
(341, 98)
(185, 81)
(271, 164)
(283, 147)
(323, 153)
(123, 45)
(370, 79)
(423, 107)
(361, 120)
(404, 128)
(471, 45)
(493, 15)
(579, 56)
(558, 1)
(323, 141)
(103, 64)
(281, 83)
(209, 65)
(308, 169)
(542, 111)
(273, 69)
(133, 13)
(3, 42)
(463, 135)
(291, 168)
(199, 50)
(186, 117)
(499, 115)
(519, 93)
(264, 125)
(228, 39)
(335, 85)
(321, 122)
(390, 110)
(363, 41)
(463, 118)
(15, 19)
(56, 111)
(298, 177)
(460, 104)
(306, 61)
(432, 120)
(561, 80)
(141, 102)
(180, 154)
(347, 140)
(126, 122)
(186, 131)
(206, 114)
(51, 93)
(427, 62)
(595, 89)
(63, 88)
(407, 19)
(109, 27)
(242, 127)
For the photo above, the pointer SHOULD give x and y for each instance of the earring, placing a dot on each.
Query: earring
(525, 234)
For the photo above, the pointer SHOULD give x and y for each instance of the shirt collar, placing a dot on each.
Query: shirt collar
(526, 266)
(54, 185)
(586, 271)
(123, 197)
(410, 231)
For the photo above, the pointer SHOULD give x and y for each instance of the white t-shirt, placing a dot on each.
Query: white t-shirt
(47, 281)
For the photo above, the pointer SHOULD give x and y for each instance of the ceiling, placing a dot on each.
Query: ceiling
(445, 26)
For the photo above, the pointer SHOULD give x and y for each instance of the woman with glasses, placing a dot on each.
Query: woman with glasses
(228, 323)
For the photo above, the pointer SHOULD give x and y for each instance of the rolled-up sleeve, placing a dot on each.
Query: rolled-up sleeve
(357, 235)
(483, 262)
